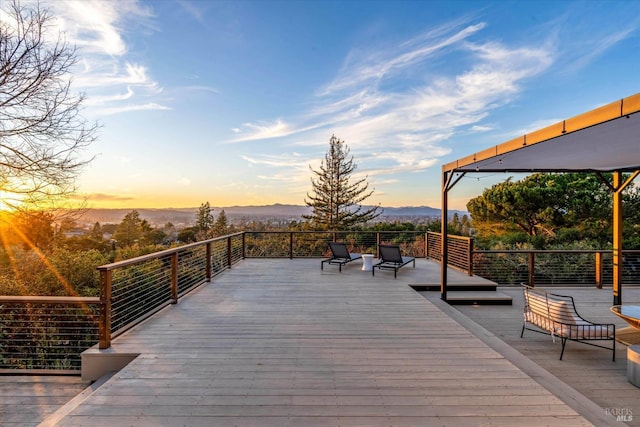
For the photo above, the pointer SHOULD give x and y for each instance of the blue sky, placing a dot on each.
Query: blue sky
(231, 102)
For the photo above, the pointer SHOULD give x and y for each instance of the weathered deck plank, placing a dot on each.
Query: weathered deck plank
(26, 400)
(281, 343)
(588, 370)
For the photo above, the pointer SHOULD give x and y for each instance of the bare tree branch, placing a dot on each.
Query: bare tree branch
(41, 129)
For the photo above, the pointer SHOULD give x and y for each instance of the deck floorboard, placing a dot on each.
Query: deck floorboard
(282, 343)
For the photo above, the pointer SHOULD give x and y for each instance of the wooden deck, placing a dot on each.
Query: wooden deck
(280, 343)
(588, 370)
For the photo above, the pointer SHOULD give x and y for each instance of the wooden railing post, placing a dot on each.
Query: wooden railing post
(378, 241)
(532, 269)
(426, 245)
(229, 258)
(104, 326)
(244, 245)
(599, 270)
(174, 278)
(291, 245)
(208, 262)
(470, 255)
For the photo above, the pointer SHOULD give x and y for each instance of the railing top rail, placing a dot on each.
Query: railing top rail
(450, 236)
(333, 231)
(165, 252)
(49, 299)
(552, 251)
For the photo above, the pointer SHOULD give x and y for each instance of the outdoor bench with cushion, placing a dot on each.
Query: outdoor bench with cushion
(556, 315)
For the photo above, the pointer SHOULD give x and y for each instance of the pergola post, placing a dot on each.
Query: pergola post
(444, 248)
(617, 238)
(447, 185)
(617, 187)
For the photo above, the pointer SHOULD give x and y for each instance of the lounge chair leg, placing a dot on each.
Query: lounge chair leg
(522, 333)
(564, 342)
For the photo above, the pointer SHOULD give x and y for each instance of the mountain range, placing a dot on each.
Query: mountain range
(291, 212)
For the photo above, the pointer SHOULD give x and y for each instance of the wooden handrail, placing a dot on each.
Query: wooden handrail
(165, 252)
(50, 300)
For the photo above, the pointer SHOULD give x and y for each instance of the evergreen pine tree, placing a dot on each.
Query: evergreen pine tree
(336, 201)
(220, 226)
(204, 222)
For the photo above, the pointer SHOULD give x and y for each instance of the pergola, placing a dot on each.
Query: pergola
(606, 139)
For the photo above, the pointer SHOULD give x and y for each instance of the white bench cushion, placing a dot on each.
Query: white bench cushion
(559, 318)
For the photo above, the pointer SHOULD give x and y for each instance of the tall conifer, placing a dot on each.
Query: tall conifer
(336, 201)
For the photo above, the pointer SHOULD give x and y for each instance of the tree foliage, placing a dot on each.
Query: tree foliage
(204, 222)
(134, 229)
(221, 226)
(41, 129)
(552, 208)
(336, 200)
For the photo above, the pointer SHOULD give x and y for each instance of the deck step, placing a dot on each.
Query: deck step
(456, 287)
(478, 298)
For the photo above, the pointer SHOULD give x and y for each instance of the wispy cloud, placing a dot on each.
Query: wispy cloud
(291, 160)
(395, 112)
(267, 130)
(200, 88)
(194, 11)
(592, 48)
(107, 71)
(480, 128)
(579, 41)
(396, 127)
(360, 69)
(103, 197)
(107, 111)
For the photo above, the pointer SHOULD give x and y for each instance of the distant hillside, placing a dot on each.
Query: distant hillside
(187, 216)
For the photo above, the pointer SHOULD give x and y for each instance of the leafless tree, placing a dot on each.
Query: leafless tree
(42, 131)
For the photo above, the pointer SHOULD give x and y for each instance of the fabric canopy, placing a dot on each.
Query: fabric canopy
(606, 139)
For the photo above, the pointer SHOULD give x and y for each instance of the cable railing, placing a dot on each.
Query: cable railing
(50, 333)
(305, 244)
(41, 334)
(135, 289)
(554, 267)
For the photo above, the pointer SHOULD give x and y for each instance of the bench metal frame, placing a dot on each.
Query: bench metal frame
(557, 316)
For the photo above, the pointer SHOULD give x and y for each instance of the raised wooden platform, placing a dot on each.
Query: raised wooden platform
(458, 287)
(478, 298)
(281, 343)
(480, 292)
